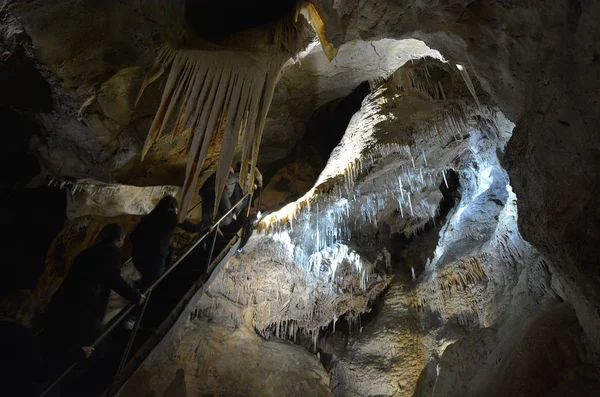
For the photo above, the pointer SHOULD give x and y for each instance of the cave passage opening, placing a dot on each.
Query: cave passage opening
(324, 131)
(411, 252)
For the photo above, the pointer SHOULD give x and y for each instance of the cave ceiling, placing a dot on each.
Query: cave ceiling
(461, 202)
(96, 129)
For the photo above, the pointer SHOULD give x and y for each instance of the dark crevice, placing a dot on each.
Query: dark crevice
(32, 218)
(326, 127)
(413, 251)
(23, 87)
(324, 131)
(17, 164)
(216, 20)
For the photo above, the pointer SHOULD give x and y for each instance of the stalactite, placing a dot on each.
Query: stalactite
(454, 123)
(469, 83)
(316, 20)
(209, 93)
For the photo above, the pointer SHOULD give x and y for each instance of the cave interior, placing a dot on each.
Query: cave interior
(429, 218)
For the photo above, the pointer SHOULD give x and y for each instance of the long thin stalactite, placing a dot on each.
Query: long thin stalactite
(212, 94)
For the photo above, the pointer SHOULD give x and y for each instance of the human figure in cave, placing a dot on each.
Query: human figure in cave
(208, 194)
(75, 314)
(238, 193)
(151, 239)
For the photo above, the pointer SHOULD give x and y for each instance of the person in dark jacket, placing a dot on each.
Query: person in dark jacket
(238, 192)
(247, 229)
(208, 194)
(151, 240)
(75, 314)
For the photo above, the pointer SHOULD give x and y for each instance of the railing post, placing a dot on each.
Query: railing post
(259, 197)
(134, 331)
(249, 204)
(212, 247)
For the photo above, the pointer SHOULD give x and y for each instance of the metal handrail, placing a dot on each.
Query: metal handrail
(134, 333)
(169, 321)
(125, 312)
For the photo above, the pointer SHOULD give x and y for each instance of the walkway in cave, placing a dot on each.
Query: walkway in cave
(94, 378)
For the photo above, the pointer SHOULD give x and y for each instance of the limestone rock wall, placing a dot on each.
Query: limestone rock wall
(264, 288)
(485, 300)
(482, 286)
(543, 355)
(483, 280)
(538, 61)
(209, 359)
(310, 80)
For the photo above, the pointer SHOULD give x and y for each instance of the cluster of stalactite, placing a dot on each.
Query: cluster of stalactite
(460, 276)
(449, 124)
(291, 302)
(218, 98)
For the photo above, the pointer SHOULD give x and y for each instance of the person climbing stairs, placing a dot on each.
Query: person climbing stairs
(166, 297)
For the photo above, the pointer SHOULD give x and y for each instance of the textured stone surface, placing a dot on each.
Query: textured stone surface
(88, 197)
(94, 129)
(311, 80)
(264, 288)
(538, 61)
(479, 290)
(207, 359)
(541, 356)
(288, 184)
(94, 65)
(385, 357)
(483, 281)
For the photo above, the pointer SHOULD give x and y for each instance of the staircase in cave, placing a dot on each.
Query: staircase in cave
(165, 305)
(192, 269)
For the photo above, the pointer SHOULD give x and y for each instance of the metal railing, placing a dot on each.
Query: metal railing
(159, 333)
(127, 310)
